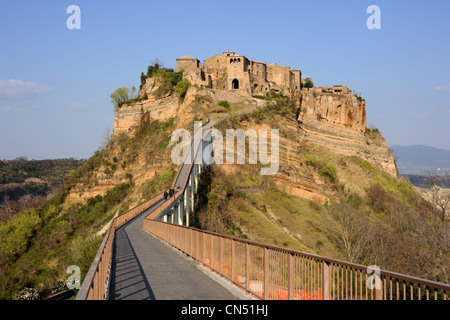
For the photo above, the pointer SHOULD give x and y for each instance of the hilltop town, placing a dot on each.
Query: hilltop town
(229, 71)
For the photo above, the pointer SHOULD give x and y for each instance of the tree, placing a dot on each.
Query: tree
(154, 67)
(349, 230)
(438, 193)
(9, 206)
(308, 83)
(122, 95)
(182, 87)
(119, 96)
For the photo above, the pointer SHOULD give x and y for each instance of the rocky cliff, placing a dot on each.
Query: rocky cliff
(331, 120)
(338, 121)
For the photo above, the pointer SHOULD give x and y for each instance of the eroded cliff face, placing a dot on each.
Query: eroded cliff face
(170, 106)
(160, 108)
(338, 121)
(331, 120)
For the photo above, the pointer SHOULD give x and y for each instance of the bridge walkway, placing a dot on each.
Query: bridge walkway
(146, 269)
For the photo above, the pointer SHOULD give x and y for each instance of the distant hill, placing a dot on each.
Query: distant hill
(420, 160)
(20, 176)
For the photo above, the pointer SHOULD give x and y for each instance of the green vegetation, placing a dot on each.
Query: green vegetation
(167, 80)
(182, 87)
(224, 104)
(324, 169)
(122, 95)
(308, 83)
(249, 206)
(25, 184)
(152, 69)
(359, 98)
(158, 184)
(281, 105)
(20, 169)
(37, 245)
(372, 130)
(261, 97)
(15, 235)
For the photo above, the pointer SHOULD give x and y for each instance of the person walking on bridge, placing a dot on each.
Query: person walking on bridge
(165, 195)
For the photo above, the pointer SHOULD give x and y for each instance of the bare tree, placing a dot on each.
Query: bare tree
(437, 190)
(9, 206)
(349, 230)
(24, 201)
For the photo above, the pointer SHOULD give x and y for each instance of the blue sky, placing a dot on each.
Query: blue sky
(55, 83)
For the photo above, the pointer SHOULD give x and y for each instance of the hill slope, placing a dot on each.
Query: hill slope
(339, 204)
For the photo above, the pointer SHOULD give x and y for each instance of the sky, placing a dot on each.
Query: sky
(55, 82)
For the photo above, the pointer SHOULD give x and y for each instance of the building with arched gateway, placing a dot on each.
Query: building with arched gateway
(229, 71)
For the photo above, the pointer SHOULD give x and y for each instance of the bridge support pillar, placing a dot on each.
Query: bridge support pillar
(175, 214)
(180, 212)
(192, 182)
(187, 204)
(195, 173)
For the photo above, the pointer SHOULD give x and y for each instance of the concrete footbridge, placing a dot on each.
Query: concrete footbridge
(151, 253)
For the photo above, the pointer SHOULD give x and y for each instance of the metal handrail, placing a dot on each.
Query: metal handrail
(96, 282)
(289, 274)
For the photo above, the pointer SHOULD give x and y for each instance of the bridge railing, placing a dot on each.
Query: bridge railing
(275, 273)
(95, 285)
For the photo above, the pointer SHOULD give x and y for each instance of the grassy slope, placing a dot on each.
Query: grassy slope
(38, 245)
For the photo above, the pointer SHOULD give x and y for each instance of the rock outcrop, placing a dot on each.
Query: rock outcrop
(338, 121)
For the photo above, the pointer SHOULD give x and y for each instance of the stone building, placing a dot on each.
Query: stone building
(229, 71)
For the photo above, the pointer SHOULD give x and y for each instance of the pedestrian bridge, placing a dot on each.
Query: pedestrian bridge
(151, 253)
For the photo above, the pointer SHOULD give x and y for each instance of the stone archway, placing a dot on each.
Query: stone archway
(235, 84)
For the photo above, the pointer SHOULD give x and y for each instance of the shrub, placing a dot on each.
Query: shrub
(27, 294)
(308, 83)
(328, 170)
(324, 169)
(152, 69)
(163, 145)
(122, 95)
(224, 104)
(16, 234)
(167, 80)
(260, 97)
(59, 286)
(84, 250)
(258, 115)
(281, 105)
(182, 87)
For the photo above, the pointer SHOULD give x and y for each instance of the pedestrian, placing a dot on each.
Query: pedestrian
(165, 195)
